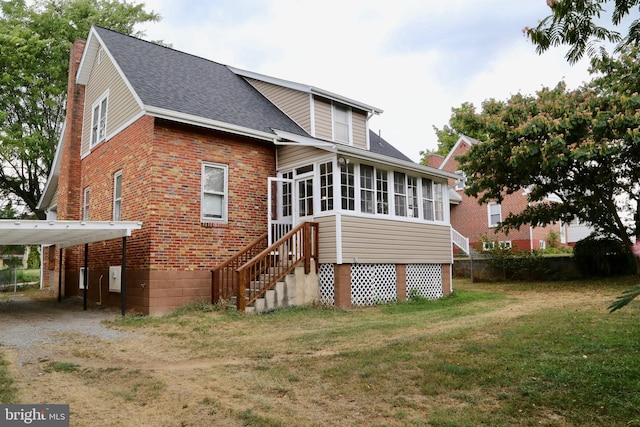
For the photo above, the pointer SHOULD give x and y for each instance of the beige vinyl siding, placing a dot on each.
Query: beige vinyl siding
(121, 105)
(373, 240)
(293, 103)
(359, 129)
(291, 155)
(327, 239)
(323, 119)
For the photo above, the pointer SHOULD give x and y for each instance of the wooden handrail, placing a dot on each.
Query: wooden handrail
(224, 277)
(263, 271)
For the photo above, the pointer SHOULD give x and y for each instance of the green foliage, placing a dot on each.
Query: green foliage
(579, 145)
(8, 391)
(64, 367)
(603, 257)
(624, 299)
(513, 264)
(35, 40)
(577, 23)
(554, 239)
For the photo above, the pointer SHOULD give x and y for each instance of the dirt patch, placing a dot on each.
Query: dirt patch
(189, 373)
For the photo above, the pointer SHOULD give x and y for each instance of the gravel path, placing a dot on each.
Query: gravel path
(28, 325)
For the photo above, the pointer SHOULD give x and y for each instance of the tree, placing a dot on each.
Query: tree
(461, 122)
(576, 23)
(34, 58)
(576, 152)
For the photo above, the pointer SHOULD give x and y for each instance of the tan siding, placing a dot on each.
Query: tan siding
(293, 103)
(121, 106)
(291, 155)
(324, 126)
(373, 240)
(359, 129)
(327, 239)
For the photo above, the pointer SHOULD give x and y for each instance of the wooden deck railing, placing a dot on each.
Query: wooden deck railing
(257, 275)
(224, 282)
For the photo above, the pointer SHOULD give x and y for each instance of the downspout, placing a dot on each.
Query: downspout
(531, 238)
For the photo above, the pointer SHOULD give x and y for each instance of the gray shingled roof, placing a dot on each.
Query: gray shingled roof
(378, 145)
(166, 78)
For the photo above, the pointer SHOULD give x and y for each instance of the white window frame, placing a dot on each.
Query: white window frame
(461, 182)
(99, 113)
(400, 197)
(117, 200)
(368, 189)
(438, 201)
(349, 120)
(382, 191)
(542, 244)
(504, 244)
(490, 213)
(85, 204)
(348, 201)
(487, 246)
(326, 174)
(225, 193)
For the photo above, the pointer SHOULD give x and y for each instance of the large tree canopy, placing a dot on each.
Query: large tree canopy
(581, 146)
(34, 57)
(576, 23)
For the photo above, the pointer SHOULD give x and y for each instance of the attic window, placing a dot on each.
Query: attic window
(341, 123)
(100, 53)
(99, 120)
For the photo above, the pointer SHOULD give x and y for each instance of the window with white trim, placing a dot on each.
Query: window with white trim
(326, 186)
(117, 196)
(366, 189)
(341, 123)
(400, 194)
(487, 246)
(427, 199)
(214, 192)
(412, 199)
(542, 244)
(348, 189)
(382, 193)
(99, 120)
(287, 195)
(504, 244)
(461, 182)
(495, 214)
(85, 205)
(438, 201)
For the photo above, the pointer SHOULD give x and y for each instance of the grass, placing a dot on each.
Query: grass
(497, 354)
(8, 391)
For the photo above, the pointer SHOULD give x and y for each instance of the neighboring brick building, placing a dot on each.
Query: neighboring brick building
(186, 147)
(477, 221)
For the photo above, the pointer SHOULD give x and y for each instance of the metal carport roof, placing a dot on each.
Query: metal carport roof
(63, 233)
(66, 234)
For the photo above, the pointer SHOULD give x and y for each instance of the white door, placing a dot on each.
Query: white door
(303, 199)
(281, 206)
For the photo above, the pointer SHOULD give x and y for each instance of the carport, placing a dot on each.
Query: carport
(65, 234)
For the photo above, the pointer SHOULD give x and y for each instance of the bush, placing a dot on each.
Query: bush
(603, 257)
(512, 264)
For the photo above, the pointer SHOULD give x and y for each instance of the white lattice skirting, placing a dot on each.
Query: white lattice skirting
(424, 280)
(378, 283)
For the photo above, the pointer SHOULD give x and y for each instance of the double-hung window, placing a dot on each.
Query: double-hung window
(427, 199)
(85, 205)
(347, 185)
(412, 187)
(438, 201)
(382, 192)
(99, 121)
(326, 186)
(341, 123)
(400, 193)
(214, 192)
(117, 196)
(287, 196)
(495, 214)
(366, 189)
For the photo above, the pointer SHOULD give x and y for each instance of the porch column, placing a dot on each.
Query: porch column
(85, 279)
(123, 278)
(60, 276)
(342, 285)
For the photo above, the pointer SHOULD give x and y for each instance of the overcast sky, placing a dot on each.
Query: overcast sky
(414, 59)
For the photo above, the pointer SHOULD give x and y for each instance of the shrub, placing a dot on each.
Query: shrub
(601, 256)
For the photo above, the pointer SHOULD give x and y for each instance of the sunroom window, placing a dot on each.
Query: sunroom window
(347, 185)
(382, 192)
(366, 189)
(400, 193)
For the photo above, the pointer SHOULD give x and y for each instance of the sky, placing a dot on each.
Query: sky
(414, 59)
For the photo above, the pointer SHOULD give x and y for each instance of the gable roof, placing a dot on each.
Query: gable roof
(379, 145)
(174, 81)
(463, 138)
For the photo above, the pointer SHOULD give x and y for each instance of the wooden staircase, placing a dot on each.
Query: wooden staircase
(257, 279)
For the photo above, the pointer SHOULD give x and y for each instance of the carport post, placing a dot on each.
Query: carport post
(60, 277)
(86, 275)
(123, 277)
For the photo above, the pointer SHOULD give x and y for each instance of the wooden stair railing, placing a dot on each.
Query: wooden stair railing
(272, 264)
(224, 284)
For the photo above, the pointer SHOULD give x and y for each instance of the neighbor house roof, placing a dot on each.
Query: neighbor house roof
(171, 80)
(379, 145)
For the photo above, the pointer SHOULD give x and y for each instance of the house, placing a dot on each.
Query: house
(209, 159)
(479, 222)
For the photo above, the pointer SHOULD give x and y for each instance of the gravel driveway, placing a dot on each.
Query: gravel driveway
(27, 325)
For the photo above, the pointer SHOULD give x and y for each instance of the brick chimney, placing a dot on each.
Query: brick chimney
(69, 182)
